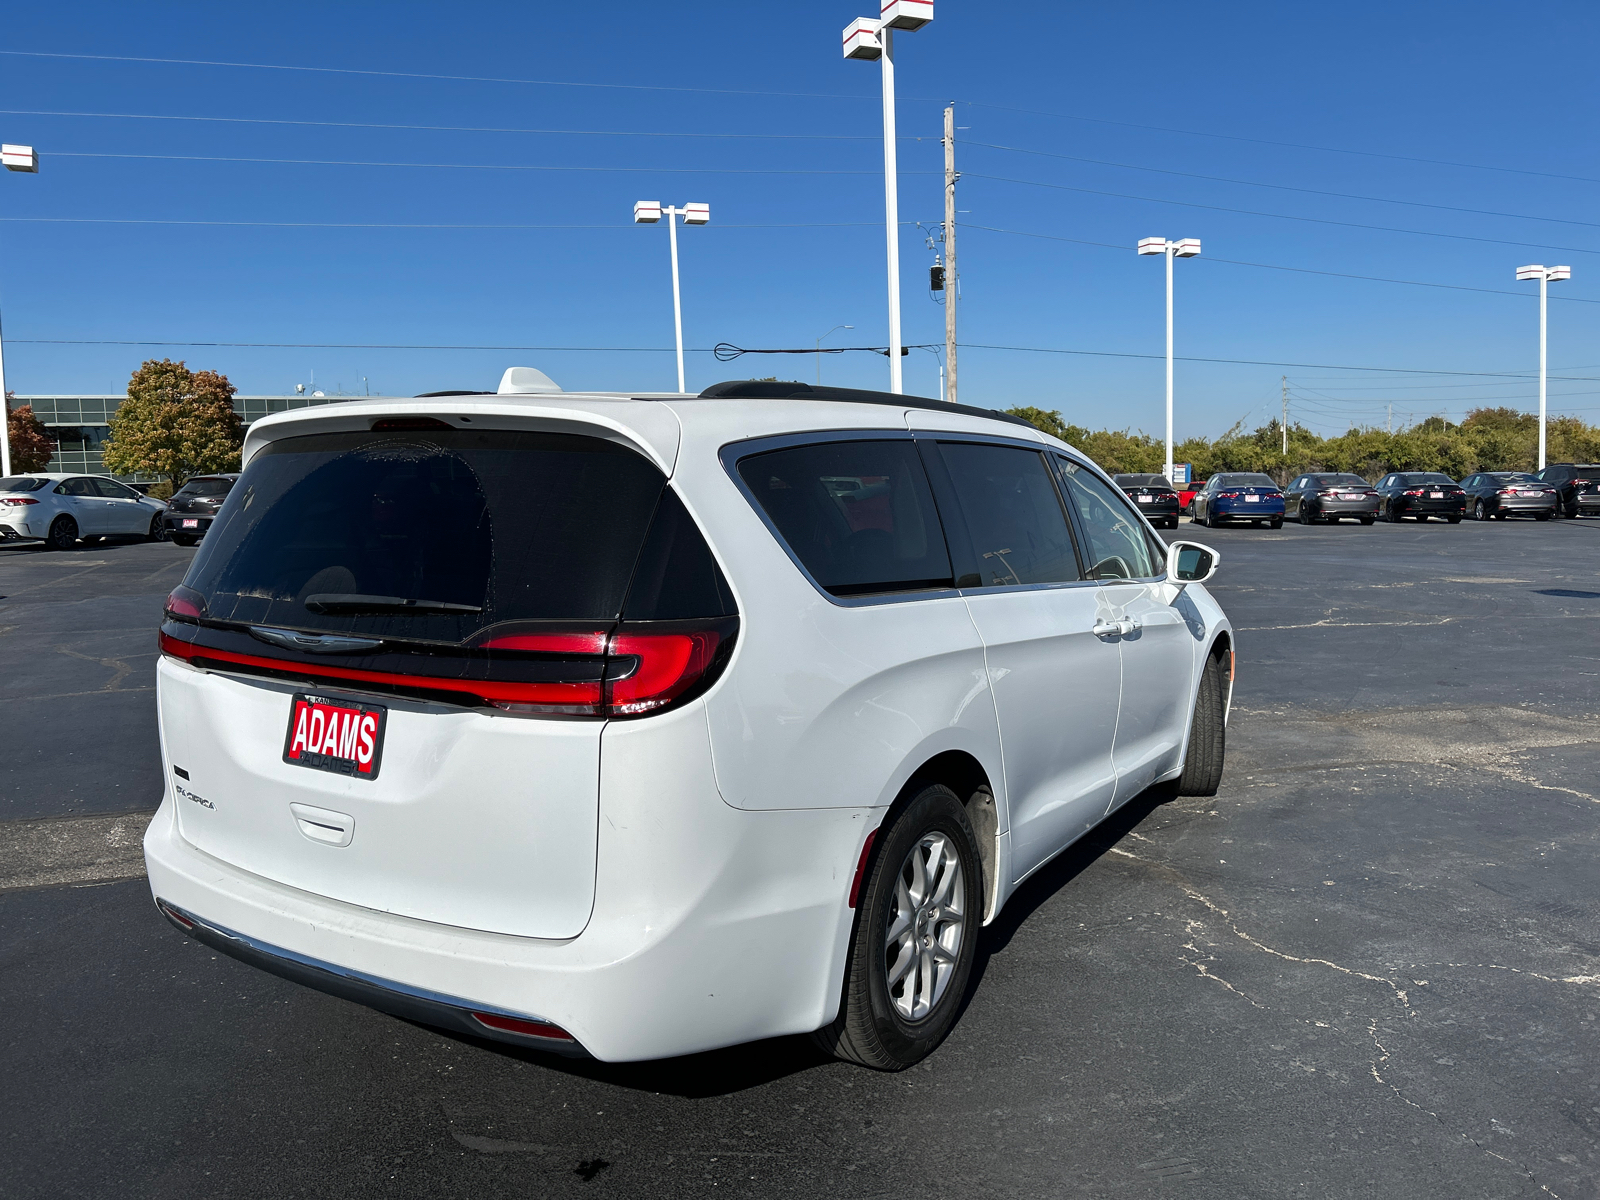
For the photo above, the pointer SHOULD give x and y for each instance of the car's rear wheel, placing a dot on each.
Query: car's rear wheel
(1275, 523)
(915, 938)
(1368, 520)
(184, 539)
(1455, 520)
(63, 533)
(1541, 516)
(1208, 735)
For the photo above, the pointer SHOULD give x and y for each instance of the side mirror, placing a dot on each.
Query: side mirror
(1190, 562)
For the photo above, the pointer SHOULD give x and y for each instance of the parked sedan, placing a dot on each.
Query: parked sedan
(1577, 487)
(194, 506)
(1502, 494)
(1420, 494)
(1236, 496)
(1313, 498)
(58, 509)
(1154, 494)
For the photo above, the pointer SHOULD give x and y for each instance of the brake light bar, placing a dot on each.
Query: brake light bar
(18, 500)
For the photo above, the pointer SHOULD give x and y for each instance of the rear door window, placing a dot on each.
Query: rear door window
(432, 535)
(1015, 525)
(858, 515)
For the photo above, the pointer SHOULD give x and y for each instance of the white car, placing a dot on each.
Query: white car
(58, 509)
(636, 725)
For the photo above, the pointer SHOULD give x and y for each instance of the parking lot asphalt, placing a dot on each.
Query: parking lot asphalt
(1369, 966)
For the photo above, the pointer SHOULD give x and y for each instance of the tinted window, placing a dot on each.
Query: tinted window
(518, 526)
(1116, 547)
(858, 515)
(1016, 530)
(206, 487)
(1245, 480)
(1431, 477)
(21, 483)
(676, 577)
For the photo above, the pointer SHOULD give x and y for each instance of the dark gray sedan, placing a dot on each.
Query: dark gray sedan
(1328, 497)
(1502, 494)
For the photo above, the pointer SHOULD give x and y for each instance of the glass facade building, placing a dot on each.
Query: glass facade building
(80, 425)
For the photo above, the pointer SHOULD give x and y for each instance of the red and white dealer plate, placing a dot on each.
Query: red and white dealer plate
(341, 736)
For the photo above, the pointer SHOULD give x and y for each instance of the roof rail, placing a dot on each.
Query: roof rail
(762, 389)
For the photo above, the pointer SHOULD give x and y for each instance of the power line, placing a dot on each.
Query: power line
(1460, 237)
(408, 224)
(1123, 247)
(332, 162)
(1284, 187)
(818, 137)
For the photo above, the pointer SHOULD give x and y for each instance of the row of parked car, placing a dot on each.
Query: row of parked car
(1247, 497)
(61, 509)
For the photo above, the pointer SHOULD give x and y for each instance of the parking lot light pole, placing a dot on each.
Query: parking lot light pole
(1545, 275)
(26, 160)
(869, 39)
(1185, 248)
(648, 212)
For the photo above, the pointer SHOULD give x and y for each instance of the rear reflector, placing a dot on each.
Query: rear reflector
(861, 869)
(173, 914)
(538, 1029)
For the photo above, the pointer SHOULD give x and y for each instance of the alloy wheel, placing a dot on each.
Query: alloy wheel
(922, 943)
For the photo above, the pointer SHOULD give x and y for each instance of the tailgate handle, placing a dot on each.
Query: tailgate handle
(324, 825)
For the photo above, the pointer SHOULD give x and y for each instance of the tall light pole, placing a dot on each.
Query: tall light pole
(830, 333)
(648, 212)
(1545, 275)
(869, 38)
(25, 159)
(1185, 248)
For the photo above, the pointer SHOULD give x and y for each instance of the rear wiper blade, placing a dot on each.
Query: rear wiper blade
(341, 602)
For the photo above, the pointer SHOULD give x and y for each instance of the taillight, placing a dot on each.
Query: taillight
(185, 604)
(1229, 495)
(19, 500)
(551, 643)
(1413, 492)
(667, 665)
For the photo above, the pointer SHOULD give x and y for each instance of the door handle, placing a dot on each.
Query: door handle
(1119, 628)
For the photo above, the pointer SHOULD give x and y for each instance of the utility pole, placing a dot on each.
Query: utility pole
(950, 177)
(1286, 416)
(1391, 418)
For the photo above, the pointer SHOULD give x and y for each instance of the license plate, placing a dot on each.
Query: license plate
(1350, 497)
(1252, 499)
(191, 522)
(1146, 499)
(341, 736)
(1436, 495)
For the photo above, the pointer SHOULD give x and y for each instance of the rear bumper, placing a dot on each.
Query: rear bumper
(385, 995)
(1253, 512)
(1520, 505)
(1443, 508)
(1347, 508)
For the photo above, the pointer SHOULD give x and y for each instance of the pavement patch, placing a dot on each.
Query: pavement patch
(72, 850)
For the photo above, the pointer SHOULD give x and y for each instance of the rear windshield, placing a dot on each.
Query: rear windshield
(1512, 476)
(328, 532)
(21, 483)
(858, 515)
(206, 487)
(1250, 480)
(1429, 477)
(1340, 480)
(1142, 481)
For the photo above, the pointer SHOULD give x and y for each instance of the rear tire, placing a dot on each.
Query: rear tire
(1368, 520)
(925, 878)
(1208, 735)
(1275, 523)
(1542, 516)
(1456, 520)
(184, 539)
(63, 533)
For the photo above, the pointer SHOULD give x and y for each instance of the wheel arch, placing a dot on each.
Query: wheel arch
(966, 776)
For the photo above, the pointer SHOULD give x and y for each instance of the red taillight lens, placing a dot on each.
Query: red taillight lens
(1229, 495)
(1413, 491)
(669, 664)
(538, 1029)
(184, 605)
(18, 500)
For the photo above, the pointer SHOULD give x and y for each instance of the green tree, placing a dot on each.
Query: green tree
(31, 447)
(175, 423)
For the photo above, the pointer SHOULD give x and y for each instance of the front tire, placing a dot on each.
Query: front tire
(158, 529)
(915, 940)
(1208, 735)
(63, 533)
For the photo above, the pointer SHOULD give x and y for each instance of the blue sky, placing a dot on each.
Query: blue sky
(1113, 113)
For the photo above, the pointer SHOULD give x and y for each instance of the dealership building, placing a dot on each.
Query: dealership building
(80, 425)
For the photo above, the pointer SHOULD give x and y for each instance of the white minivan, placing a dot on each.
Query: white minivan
(633, 725)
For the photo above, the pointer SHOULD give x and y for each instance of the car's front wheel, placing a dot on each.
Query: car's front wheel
(158, 529)
(63, 533)
(1208, 734)
(915, 938)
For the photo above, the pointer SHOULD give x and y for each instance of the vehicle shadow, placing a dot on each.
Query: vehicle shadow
(738, 1068)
